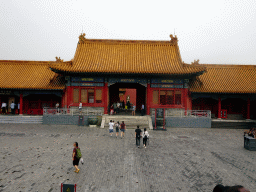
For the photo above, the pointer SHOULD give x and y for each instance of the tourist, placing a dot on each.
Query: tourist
(4, 108)
(19, 108)
(145, 137)
(57, 106)
(137, 136)
(75, 156)
(111, 110)
(133, 110)
(13, 108)
(111, 127)
(142, 109)
(123, 104)
(80, 107)
(117, 125)
(118, 107)
(115, 106)
(128, 105)
(123, 127)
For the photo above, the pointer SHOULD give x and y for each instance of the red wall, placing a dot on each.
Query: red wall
(131, 93)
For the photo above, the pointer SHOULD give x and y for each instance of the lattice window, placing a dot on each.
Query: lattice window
(98, 96)
(84, 96)
(76, 95)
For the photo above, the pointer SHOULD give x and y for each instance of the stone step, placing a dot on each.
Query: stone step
(21, 119)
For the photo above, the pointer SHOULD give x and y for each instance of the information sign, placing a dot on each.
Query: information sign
(68, 187)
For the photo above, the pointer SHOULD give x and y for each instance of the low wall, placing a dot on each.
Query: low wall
(63, 120)
(186, 122)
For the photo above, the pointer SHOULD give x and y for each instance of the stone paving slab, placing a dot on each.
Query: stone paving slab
(36, 157)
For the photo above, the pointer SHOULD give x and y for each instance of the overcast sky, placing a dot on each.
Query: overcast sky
(215, 32)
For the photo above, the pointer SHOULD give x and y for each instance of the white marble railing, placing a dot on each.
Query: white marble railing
(71, 111)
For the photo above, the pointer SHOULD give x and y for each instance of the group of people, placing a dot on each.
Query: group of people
(4, 107)
(141, 134)
(118, 127)
(117, 106)
(138, 133)
(251, 132)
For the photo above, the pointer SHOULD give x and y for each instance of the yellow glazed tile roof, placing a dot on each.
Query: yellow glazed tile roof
(226, 79)
(29, 75)
(127, 56)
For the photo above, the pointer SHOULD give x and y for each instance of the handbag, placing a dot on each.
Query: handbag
(81, 160)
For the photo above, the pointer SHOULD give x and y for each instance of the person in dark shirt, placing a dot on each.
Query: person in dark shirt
(137, 136)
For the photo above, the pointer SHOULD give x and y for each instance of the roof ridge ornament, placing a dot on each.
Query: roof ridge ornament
(174, 39)
(58, 60)
(82, 38)
(196, 62)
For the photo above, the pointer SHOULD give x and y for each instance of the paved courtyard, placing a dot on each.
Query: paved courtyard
(38, 158)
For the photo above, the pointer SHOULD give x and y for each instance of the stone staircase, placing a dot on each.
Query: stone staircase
(131, 122)
(38, 119)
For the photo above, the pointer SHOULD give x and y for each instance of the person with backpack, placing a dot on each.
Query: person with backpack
(117, 125)
(123, 127)
(145, 137)
(76, 156)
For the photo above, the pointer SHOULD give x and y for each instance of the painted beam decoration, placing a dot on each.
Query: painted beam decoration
(169, 83)
(87, 81)
(141, 81)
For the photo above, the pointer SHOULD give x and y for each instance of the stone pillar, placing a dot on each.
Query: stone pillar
(21, 104)
(248, 108)
(219, 108)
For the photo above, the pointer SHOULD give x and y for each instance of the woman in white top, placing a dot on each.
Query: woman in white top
(145, 137)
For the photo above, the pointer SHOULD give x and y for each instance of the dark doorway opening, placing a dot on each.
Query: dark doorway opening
(136, 92)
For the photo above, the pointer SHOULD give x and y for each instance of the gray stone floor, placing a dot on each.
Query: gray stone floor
(38, 158)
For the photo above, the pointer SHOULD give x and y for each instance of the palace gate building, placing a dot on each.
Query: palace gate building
(102, 69)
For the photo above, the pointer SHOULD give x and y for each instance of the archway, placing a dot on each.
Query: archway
(137, 93)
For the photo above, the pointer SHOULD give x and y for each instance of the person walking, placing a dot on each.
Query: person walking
(123, 127)
(117, 125)
(76, 156)
(12, 107)
(80, 107)
(18, 108)
(57, 107)
(111, 126)
(133, 110)
(4, 108)
(142, 109)
(145, 137)
(137, 136)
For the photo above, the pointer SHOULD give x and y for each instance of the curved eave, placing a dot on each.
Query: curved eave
(126, 73)
(31, 88)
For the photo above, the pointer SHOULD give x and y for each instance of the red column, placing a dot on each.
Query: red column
(185, 100)
(149, 97)
(105, 96)
(248, 108)
(21, 104)
(219, 108)
(69, 96)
